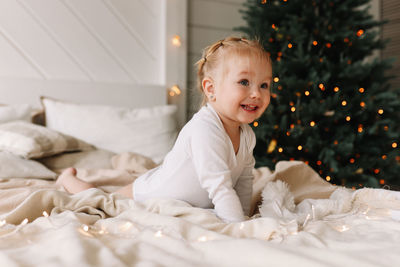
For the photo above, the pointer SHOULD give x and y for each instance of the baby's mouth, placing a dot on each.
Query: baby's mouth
(249, 107)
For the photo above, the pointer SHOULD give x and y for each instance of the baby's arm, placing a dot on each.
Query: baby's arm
(244, 185)
(210, 159)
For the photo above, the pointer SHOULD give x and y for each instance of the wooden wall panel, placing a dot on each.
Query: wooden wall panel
(390, 10)
(209, 21)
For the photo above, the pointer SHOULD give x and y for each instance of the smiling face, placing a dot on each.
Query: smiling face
(241, 88)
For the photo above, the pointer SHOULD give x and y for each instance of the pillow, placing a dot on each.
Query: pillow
(13, 166)
(33, 141)
(147, 131)
(15, 112)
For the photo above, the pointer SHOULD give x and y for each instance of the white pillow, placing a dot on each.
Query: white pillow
(13, 166)
(28, 140)
(147, 131)
(15, 112)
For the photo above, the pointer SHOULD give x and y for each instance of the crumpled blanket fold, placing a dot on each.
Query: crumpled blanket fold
(302, 221)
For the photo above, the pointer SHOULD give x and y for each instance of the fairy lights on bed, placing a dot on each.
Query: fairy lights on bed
(159, 233)
(129, 229)
(24, 222)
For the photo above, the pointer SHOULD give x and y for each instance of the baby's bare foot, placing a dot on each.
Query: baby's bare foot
(66, 175)
(71, 183)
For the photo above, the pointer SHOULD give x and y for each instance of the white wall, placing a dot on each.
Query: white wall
(75, 40)
(93, 43)
(208, 22)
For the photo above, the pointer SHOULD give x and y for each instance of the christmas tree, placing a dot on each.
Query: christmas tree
(331, 106)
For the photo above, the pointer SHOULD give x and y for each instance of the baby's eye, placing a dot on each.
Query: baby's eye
(244, 82)
(264, 85)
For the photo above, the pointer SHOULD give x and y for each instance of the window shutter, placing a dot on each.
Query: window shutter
(390, 10)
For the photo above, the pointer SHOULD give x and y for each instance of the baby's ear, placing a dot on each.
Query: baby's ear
(208, 86)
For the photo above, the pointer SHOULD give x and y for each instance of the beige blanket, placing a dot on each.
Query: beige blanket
(42, 225)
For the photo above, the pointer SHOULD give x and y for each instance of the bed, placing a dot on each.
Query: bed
(112, 131)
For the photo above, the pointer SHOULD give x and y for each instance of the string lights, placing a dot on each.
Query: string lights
(176, 41)
(174, 90)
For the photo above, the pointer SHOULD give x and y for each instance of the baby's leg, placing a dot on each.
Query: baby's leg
(126, 191)
(71, 183)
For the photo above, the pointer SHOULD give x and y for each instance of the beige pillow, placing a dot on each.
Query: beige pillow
(33, 141)
(13, 166)
(147, 131)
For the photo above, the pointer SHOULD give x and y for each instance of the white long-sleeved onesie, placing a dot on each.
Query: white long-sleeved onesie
(203, 169)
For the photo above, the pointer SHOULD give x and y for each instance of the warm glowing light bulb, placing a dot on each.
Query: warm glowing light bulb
(293, 109)
(255, 124)
(176, 41)
(312, 124)
(352, 160)
(175, 88)
(315, 43)
(348, 118)
(328, 178)
(280, 150)
(290, 45)
(362, 104)
(321, 86)
(394, 144)
(336, 89)
(158, 233)
(307, 93)
(380, 111)
(361, 90)
(344, 103)
(299, 147)
(360, 32)
(276, 79)
(202, 239)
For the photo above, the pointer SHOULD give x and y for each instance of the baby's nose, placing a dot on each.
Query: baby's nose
(255, 93)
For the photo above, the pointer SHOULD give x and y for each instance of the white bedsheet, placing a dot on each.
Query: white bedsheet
(93, 228)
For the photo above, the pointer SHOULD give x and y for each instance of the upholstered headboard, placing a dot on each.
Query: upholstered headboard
(116, 52)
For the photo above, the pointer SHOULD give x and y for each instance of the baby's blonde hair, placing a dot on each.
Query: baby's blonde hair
(212, 54)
